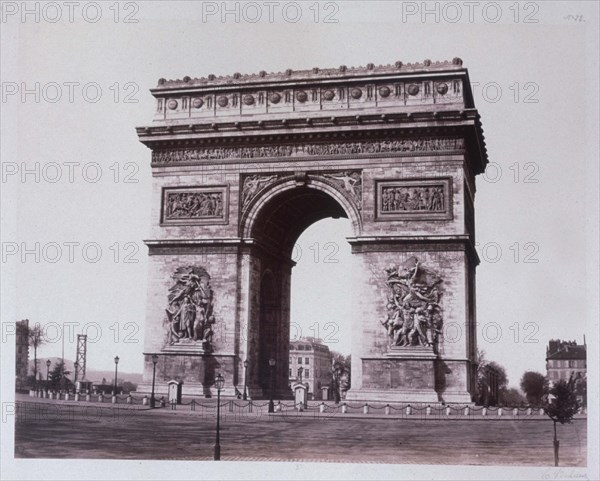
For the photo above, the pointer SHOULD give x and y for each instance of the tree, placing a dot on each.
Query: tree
(36, 339)
(511, 397)
(340, 374)
(533, 385)
(58, 376)
(561, 405)
(492, 381)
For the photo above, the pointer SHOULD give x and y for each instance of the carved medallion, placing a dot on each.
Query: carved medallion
(197, 103)
(275, 98)
(384, 91)
(248, 99)
(414, 315)
(328, 95)
(301, 96)
(412, 89)
(223, 101)
(189, 316)
(172, 104)
(356, 93)
(442, 88)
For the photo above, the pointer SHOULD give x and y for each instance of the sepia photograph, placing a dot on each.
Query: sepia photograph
(300, 240)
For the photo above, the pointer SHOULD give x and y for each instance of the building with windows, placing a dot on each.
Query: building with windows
(21, 353)
(567, 360)
(310, 360)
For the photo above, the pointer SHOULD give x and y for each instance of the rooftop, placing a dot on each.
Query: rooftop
(341, 72)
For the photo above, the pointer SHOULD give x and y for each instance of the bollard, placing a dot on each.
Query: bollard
(484, 412)
(528, 411)
(466, 410)
(145, 401)
(541, 411)
(113, 399)
(387, 409)
(448, 411)
(322, 408)
(129, 399)
(77, 396)
(230, 406)
(428, 410)
(100, 398)
(366, 409)
(278, 407)
(515, 412)
(344, 408)
(500, 411)
(66, 396)
(88, 397)
(31, 393)
(408, 410)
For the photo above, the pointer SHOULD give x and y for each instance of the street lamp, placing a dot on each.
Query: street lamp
(272, 366)
(219, 382)
(76, 367)
(48, 362)
(300, 371)
(154, 361)
(116, 364)
(245, 396)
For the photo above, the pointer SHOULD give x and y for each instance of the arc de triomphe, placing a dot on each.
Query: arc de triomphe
(243, 164)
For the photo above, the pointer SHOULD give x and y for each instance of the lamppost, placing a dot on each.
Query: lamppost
(154, 361)
(219, 382)
(48, 362)
(272, 366)
(76, 367)
(245, 396)
(300, 371)
(116, 364)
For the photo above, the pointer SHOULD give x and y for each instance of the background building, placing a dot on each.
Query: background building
(315, 360)
(566, 360)
(22, 354)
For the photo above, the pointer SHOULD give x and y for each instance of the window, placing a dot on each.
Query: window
(306, 360)
(299, 360)
(306, 373)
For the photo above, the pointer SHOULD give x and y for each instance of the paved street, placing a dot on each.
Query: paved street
(77, 431)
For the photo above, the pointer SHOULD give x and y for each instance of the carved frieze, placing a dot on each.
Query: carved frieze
(397, 146)
(194, 205)
(189, 315)
(414, 199)
(414, 314)
(253, 184)
(349, 183)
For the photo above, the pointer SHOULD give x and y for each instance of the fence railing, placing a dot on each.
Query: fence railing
(396, 410)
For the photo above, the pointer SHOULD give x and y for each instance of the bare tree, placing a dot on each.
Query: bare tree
(36, 339)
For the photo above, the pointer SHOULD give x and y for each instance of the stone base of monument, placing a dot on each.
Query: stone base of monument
(191, 365)
(405, 374)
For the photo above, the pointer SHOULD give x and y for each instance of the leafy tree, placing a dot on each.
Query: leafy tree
(58, 376)
(485, 390)
(533, 385)
(561, 405)
(511, 397)
(340, 374)
(36, 339)
(128, 386)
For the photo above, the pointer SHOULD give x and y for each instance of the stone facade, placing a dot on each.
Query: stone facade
(243, 164)
(315, 359)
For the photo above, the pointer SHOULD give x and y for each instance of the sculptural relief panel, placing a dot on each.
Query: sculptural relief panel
(194, 205)
(415, 199)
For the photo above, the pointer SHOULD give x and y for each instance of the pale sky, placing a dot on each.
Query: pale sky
(537, 88)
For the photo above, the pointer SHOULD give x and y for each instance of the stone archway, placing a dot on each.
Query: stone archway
(242, 165)
(272, 223)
